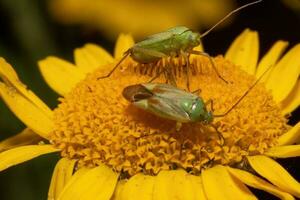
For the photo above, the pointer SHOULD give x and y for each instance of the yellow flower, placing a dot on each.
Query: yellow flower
(293, 4)
(111, 150)
(140, 18)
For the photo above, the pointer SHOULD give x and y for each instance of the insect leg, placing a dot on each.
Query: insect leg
(157, 75)
(222, 139)
(244, 95)
(196, 91)
(169, 73)
(126, 54)
(209, 163)
(210, 60)
(211, 102)
(187, 61)
(166, 76)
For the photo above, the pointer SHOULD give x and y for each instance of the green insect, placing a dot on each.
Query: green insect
(169, 102)
(173, 42)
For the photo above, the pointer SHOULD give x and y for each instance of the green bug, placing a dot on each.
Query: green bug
(173, 42)
(169, 102)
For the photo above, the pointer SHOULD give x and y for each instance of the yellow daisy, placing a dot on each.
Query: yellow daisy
(293, 4)
(140, 18)
(112, 150)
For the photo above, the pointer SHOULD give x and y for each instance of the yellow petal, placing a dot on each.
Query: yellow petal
(124, 42)
(91, 57)
(76, 176)
(118, 190)
(284, 151)
(21, 154)
(292, 101)
(6, 71)
(26, 137)
(197, 48)
(60, 75)
(290, 137)
(96, 183)
(270, 58)
(219, 184)
(10, 77)
(244, 51)
(258, 183)
(175, 184)
(286, 72)
(62, 174)
(274, 173)
(197, 186)
(138, 187)
(26, 111)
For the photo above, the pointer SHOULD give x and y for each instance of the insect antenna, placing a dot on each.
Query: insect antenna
(245, 94)
(228, 15)
(126, 54)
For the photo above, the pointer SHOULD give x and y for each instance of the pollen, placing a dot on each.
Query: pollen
(95, 124)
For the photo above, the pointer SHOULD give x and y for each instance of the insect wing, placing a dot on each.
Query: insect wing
(167, 101)
(169, 92)
(155, 39)
(162, 36)
(152, 49)
(166, 34)
(167, 108)
(178, 30)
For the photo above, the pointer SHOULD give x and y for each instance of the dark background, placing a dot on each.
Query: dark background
(28, 34)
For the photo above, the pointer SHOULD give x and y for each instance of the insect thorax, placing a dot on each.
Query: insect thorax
(187, 40)
(198, 112)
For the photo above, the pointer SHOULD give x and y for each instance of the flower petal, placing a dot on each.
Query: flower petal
(284, 151)
(6, 71)
(290, 137)
(124, 42)
(21, 154)
(26, 137)
(218, 184)
(197, 186)
(244, 51)
(197, 48)
(271, 58)
(10, 77)
(62, 174)
(26, 111)
(286, 72)
(118, 190)
(174, 184)
(258, 183)
(90, 57)
(138, 187)
(95, 183)
(275, 173)
(60, 75)
(292, 101)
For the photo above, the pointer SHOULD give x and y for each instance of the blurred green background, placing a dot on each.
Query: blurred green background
(32, 30)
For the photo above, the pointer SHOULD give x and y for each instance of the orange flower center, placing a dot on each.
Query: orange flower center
(95, 124)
